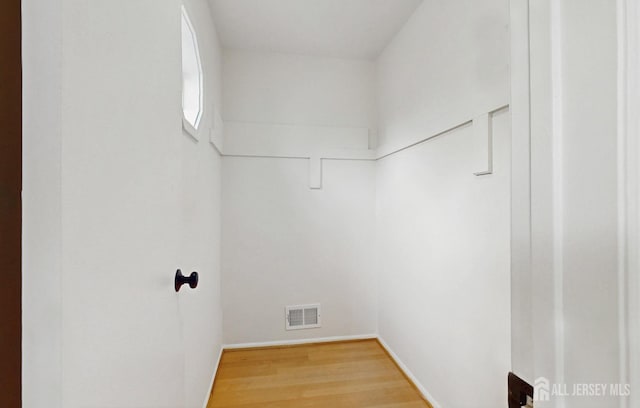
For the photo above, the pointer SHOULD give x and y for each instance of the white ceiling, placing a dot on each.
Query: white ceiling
(337, 28)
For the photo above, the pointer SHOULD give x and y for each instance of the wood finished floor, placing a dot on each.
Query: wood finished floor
(328, 375)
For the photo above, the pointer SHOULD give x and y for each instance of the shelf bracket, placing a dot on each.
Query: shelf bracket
(315, 173)
(482, 131)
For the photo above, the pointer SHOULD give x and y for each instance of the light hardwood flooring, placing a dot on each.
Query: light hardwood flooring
(328, 375)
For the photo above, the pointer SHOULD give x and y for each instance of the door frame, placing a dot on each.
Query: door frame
(628, 12)
(10, 203)
(628, 138)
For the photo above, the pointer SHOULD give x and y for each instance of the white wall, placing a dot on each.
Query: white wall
(201, 310)
(443, 262)
(285, 244)
(447, 64)
(442, 233)
(287, 89)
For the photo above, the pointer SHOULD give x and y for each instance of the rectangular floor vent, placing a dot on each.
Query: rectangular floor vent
(302, 317)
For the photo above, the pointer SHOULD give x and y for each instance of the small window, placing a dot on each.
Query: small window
(191, 75)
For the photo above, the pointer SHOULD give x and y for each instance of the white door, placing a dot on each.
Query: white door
(121, 166)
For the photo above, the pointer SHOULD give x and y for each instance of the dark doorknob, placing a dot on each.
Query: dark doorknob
(180, 280)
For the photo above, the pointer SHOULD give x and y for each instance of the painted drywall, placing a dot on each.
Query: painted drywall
(285, 244)
(201, 310)
(448, 64)
(111, 210)
(442, 257)
(443, 234)
(41, 200)
(574, 315)
(281, 89)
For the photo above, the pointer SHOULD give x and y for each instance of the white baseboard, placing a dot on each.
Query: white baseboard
(213, 378)
(299, 341)
(409, 374)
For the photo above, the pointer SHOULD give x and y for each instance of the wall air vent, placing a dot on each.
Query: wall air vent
(302, 317)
